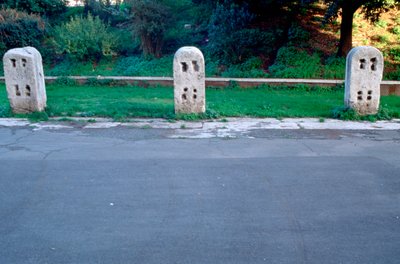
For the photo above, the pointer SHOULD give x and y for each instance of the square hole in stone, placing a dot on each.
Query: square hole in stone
(196, 67)
(362, 63)
(17, 91)
(374, 61)
(28, 90)
(184, 66)
(24, 62)
(13, 62)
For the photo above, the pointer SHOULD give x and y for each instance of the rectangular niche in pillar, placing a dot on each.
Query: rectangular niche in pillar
(364, 70)
(23, 72)
(189, 81)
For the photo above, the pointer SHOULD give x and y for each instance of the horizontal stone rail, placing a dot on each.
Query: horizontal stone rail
(387, 87)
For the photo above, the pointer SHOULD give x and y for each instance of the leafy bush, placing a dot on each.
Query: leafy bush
(85, 39)
(396, 31)
(18, 29)
(384, 39)
(381, 23)
(231, 39)
(395, 54)
(346, 113)
(252, 68)
(393, 75)
(297, 35)
(65, 81)
(294, 63)
(334, 68)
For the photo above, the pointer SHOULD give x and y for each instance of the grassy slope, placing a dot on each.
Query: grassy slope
(121, 102)
(314, 59)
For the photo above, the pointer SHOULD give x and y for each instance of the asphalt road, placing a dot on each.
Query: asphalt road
(129, 195)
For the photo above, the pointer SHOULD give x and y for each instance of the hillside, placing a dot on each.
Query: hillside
(278, 43)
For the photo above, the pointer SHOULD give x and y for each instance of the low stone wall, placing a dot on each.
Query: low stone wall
(387, 87)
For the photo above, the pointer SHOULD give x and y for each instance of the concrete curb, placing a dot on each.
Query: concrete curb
(229, 124)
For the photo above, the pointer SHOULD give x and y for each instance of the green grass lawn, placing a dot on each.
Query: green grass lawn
(121, 102)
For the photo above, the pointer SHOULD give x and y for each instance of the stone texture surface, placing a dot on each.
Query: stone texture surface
(189, 81)
(23, 71)
(364, 70)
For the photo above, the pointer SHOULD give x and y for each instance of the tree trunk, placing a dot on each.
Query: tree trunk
(346, 30)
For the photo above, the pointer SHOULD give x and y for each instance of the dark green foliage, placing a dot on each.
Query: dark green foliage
(38, 116)
(334, 68)
(231, 38)
(395, 54)
(42, 7)
(292, 62)
(346, 113)
(150, 20)
(65, 81)
(251, 68)
(297, 35)
(108, 12)
(209, 114)
(18, 29)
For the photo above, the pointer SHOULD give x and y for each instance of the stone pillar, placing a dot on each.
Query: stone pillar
(23, 72)
(189, 81)
(364, 70)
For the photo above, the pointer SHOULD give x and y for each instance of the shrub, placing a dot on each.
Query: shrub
(396, 31)
(384, 39)
(381, 23)
(231, 39)
(294, 63)
(297, 35)
(346, 113)
(150, 21)
(395, 54)
(85, 39)
(252, 68)
(19, 29)
(334, 68)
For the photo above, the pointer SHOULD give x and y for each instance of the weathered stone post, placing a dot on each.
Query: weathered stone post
(364, 70)
(189, 81)
(23, 72)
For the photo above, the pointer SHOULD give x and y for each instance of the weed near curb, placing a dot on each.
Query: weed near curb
(348, 114)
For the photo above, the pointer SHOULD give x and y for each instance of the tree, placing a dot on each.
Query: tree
(19, 29)
(42, 7)
(231, 37)
(346, 8)
(150, 20)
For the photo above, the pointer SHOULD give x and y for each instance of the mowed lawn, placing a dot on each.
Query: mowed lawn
(129, 101)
